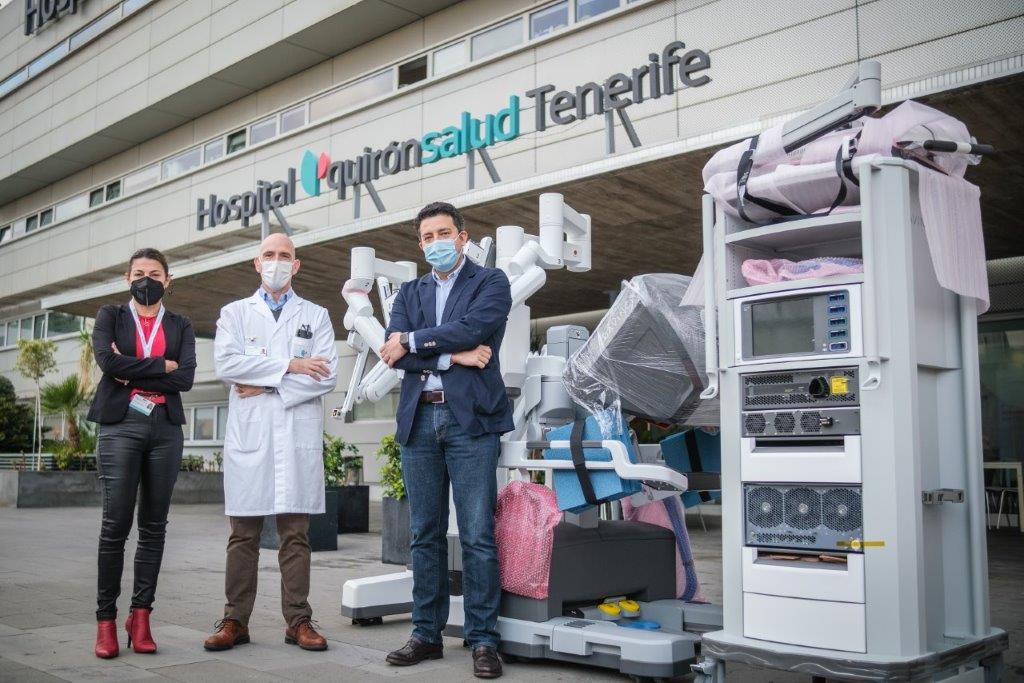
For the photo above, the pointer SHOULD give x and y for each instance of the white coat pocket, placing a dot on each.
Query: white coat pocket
(245, 426)
(308, 425)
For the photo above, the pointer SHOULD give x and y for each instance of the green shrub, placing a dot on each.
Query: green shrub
(391, 471)
(339, 458)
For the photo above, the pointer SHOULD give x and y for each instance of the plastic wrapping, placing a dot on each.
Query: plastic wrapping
(645, 357)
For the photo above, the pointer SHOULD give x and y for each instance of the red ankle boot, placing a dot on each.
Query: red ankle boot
(138, 631)
(106, 639)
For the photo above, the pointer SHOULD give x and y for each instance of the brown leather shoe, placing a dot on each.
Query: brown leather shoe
(229, 633)
(305, 636)
(414, 652)
(486, 663)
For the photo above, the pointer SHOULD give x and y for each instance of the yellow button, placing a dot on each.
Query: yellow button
(609, 609)
(629, 605)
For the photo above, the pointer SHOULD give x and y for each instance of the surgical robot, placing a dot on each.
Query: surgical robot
(570, 625)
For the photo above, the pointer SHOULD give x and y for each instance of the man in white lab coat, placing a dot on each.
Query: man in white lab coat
(276, 352)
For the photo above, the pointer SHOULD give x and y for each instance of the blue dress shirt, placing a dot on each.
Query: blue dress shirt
(444, 288)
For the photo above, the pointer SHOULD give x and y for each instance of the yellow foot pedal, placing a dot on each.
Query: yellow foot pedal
(629, 608)
(610, 611)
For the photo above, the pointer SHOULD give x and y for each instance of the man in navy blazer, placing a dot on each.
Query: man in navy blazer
(445, 333)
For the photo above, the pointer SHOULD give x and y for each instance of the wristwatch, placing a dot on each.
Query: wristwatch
(403, 339)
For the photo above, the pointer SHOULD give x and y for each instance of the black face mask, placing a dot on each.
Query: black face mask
(147, 291)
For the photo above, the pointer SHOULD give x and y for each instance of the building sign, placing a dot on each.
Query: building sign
(661, 75)
(40, 12)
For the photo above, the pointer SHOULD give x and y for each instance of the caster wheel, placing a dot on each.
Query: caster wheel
(368, 621)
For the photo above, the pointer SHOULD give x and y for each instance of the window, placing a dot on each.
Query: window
(39, 326)
(132, 5)
(293, 118)
(113, 191)
(6, 233)
(45, 218)
(450, 58)
(236, 141)
(204, 424)
(31, 223)
(3, 335)
(13, 82)
(182, 163)
(549, 19)
(264, 130)
(12, 332)
(141, 179)
(26, 328)
(62, 323)
(47, 59)
(213, 150)
(95, 28)
(412, 72)
(96, 197)
(497, 39)
(351, 95)
(384, 409)
(585, 9)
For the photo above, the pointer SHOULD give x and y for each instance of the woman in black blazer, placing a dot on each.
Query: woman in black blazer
(148, 357)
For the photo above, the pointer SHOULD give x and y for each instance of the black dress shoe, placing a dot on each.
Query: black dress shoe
(486, 663)
(414, 652)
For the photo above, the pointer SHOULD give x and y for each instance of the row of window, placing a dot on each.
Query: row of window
(39, 326)
(487, 42)
(75, 41)
(209, 422)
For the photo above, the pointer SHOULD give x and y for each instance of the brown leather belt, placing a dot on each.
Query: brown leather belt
(432, 397)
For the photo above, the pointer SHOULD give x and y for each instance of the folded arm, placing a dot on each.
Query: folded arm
(179, 380)
(486, 313)
(115, 364)
(234, 366)
(298, 388)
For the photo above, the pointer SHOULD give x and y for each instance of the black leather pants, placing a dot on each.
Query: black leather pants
(139, 455)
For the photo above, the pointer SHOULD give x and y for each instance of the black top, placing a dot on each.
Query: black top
(114, 324)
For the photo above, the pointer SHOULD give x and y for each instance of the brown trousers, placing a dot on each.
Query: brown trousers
(243, 559)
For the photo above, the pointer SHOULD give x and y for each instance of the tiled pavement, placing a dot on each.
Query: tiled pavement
(47, 584)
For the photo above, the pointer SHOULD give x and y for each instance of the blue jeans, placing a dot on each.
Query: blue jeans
(440, 451)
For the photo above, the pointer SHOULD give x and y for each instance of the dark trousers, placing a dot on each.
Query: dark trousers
(441, 453)
(137, 457)
(243, 563)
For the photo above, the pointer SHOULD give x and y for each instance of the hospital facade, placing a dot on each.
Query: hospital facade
(184, 124)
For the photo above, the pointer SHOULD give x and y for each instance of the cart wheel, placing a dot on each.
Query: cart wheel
(368, 621)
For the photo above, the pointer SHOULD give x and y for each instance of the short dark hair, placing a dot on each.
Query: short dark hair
(439, 209)
(150, 253)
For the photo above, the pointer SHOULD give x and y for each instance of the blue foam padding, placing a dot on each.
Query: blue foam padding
(607, 485)
(709, 450)
(641, 624)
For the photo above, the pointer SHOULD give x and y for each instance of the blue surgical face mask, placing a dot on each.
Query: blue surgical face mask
(442, 255)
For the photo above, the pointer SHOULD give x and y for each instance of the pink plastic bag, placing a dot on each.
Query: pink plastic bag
(763, 272)
(524, 528)
(661, 513)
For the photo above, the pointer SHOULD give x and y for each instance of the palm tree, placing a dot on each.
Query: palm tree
(66, 398)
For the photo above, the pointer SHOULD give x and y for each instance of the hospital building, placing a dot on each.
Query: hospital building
(184, 124)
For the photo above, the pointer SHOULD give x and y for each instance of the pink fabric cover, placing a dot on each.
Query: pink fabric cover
(763, 272)
(655, 513)
(524, 528)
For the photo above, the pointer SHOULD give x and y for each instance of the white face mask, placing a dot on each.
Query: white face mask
(276, 274)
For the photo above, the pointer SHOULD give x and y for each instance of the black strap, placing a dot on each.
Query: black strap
(693, 453)
(579, 462)
(743, 175)
(844, 171)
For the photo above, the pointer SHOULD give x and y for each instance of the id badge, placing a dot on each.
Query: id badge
(253, 350)
(141, 404)
(301, 347)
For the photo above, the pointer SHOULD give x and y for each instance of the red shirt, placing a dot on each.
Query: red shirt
(159, 348)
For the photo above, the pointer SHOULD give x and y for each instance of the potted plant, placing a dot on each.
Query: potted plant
(395, 535)
(343, 467)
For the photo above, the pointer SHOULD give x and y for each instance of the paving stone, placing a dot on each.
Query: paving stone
(214, 671)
